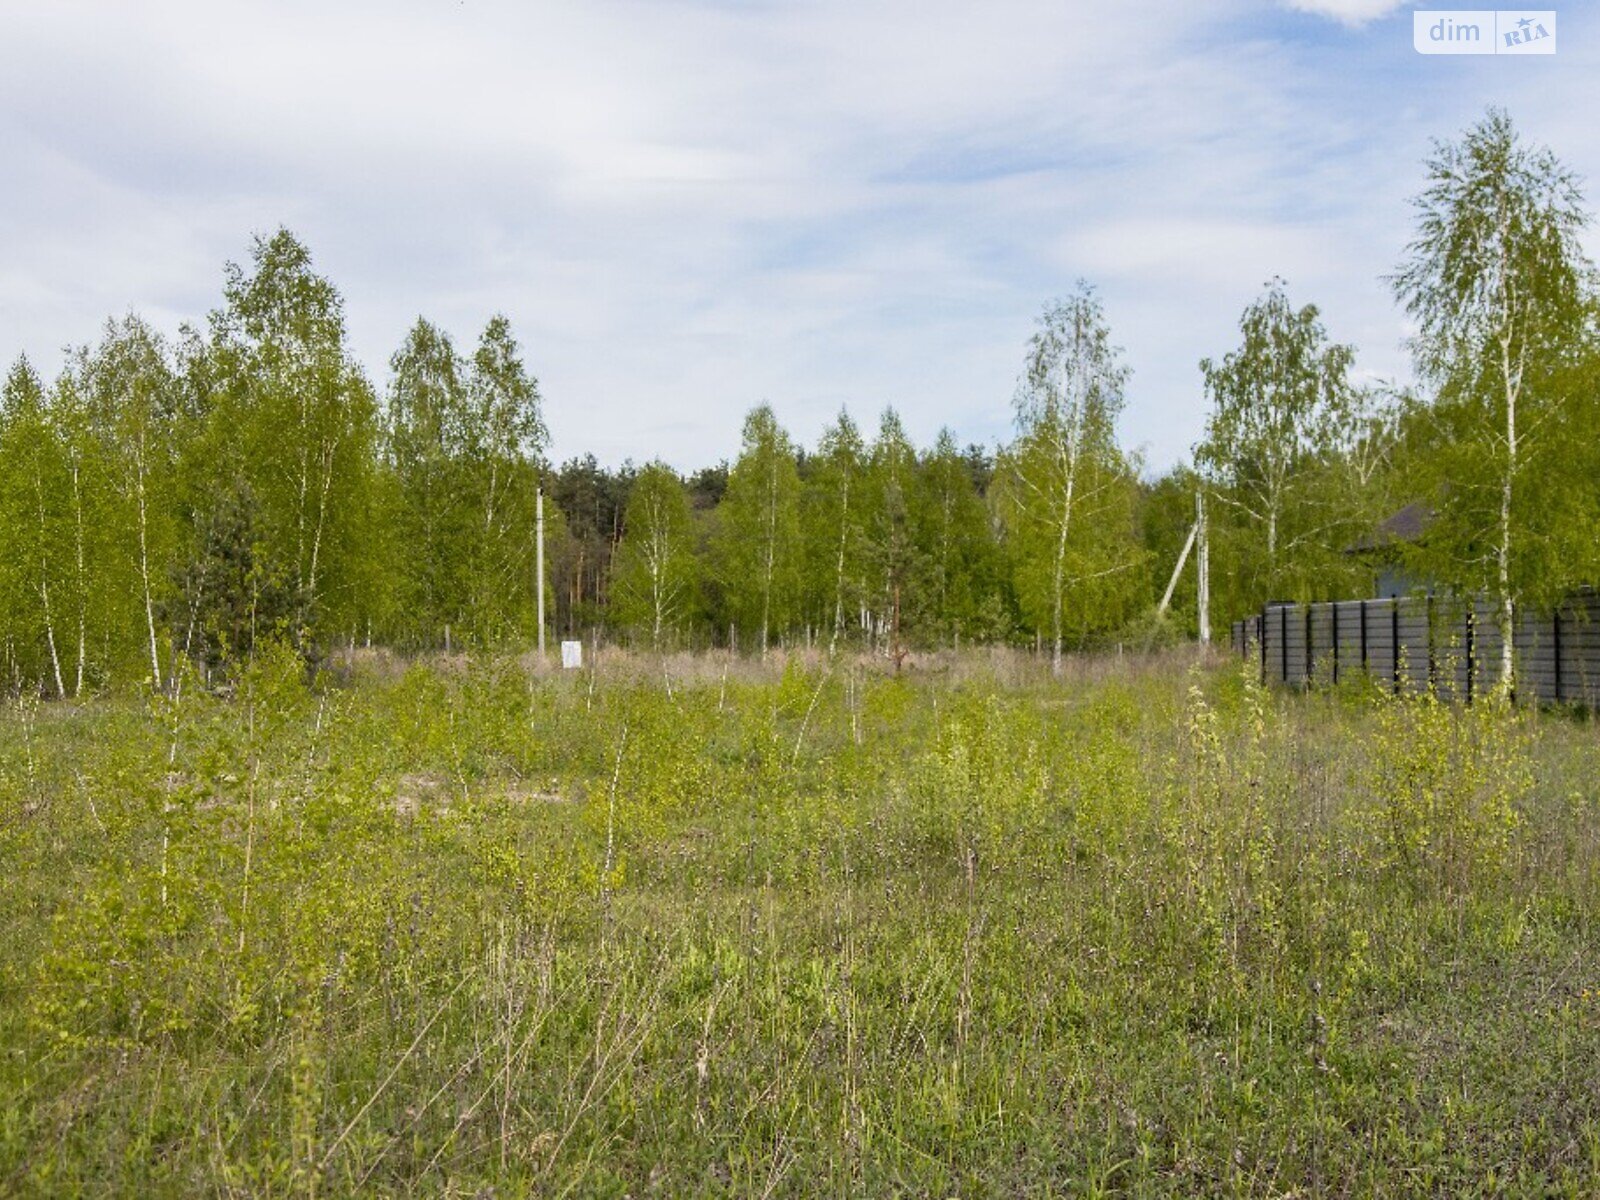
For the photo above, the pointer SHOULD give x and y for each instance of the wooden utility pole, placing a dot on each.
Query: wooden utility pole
(1172, 584)
(1202, 564)
(538, 554)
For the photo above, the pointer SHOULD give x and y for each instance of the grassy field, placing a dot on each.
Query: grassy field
(698, 928)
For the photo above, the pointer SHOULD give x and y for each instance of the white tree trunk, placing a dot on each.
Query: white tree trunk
(1503, 550)
(50, 631)
(144, 567)
(1202, 570)
(838, 579)
(1069, 453)
(771, 555)
(83, 582)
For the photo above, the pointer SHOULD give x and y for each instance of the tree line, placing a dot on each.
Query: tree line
(169, 500)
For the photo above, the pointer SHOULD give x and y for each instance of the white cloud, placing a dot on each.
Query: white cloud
(1350, 12)
(688, 206)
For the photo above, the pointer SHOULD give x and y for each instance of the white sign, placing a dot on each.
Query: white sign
(1484, 31)
(571, 656)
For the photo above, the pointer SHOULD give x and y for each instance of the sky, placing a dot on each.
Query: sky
(689, 207)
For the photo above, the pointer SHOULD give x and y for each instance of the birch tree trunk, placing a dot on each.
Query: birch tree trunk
(144, 561)
(82, 578)
(838, 579)
(1503, 550)
(1060, 582)
(771, 553)
(44, 573)
(1072, 437)
(50, 631)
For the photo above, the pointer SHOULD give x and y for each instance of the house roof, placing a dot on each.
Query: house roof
(1409, 524)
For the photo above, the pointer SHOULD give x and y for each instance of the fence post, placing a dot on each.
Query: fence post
(1555, 629)
(1363, 637)
(1427, 632)
(1308, 645)
(1261, 643)
(1394, 640)
(1333, 620)
(1283, 636)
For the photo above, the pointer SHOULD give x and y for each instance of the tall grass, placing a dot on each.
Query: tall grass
(700, 927)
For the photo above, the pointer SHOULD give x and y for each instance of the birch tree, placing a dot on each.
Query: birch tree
(465, 440)
(34, 539)
(426, 430)
(655, 566)
(1503, 298)
(293, 417)
(833, 511)
(958, 542)
(86, 495)
(1280, 405)
(759, 529)
(133, 402)
(893, 554)
(505, 443)
(1068, 491)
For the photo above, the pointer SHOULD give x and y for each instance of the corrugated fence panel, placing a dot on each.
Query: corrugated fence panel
(1485, 646)
(1450, 646)
(1580, 648)
(1415, 661)
(1454, 651)
(1347, 645)
(1380, 641)
(1293, 625)
(1319, 628)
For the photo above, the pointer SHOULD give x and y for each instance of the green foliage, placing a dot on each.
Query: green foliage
(1505, 301)
(590, 501)
(286, 410)
(230, 598)
(1285, 431)
(463, 443)
(656, 582)
(134, 415)
(426, 428)
(965, 593)
(758, 544)
(1069, 491)
(184, 499)
(35, 580)
(793, 930)
(1449, 784)
(833, 508)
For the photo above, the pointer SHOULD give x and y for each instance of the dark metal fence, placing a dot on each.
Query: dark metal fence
(1419, 642)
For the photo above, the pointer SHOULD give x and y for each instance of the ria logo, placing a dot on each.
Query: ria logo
(1484, 31)
(1527, 32)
